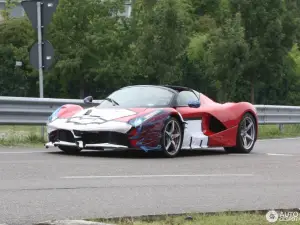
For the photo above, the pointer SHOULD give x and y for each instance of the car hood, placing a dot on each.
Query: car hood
(97, 119)
(107, 114)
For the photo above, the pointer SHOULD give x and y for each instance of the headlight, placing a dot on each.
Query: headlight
(141, 119)
(54, 115)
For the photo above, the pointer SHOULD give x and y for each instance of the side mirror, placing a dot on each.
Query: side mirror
(194, 104)
(88, 99)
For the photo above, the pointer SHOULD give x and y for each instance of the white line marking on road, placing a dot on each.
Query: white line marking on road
(240, 154)
(277, 154)
(23, 152)
(157, 176)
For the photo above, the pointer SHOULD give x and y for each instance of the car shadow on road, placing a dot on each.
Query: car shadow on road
(138, 154)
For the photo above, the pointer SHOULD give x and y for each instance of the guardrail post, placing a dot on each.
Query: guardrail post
(281, 126)
(43, 132)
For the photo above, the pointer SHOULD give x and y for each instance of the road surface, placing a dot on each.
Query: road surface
(43, 184)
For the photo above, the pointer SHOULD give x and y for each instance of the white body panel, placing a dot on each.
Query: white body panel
(105, 126)
(193, 135)
(106, 113)
(101, 145)
(96, 120)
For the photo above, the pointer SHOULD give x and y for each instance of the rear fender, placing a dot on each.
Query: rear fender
(239, 110)
(230, 114)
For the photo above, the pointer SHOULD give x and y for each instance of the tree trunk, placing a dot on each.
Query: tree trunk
(81, 88)
(252, 92)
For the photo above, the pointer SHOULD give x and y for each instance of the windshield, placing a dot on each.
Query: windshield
(141, 96)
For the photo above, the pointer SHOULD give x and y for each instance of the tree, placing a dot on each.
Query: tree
(6, 12)
(267, 36)
(162, 36)
(85, 43)
(226, 55)
(16, 38)
(293, 97)
(222, 54)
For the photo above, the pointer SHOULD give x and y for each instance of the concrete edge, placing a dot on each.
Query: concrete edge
(85, 222)
(70, 222)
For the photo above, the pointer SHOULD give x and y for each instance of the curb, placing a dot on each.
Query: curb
(70, 222)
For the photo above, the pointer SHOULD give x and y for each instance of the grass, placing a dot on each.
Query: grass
(273, 131)
(21, 136)
(229, 218)
(31, 135)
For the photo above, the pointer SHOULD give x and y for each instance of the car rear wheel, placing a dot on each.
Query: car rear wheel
(172, 136)
(246, 135)
(69, 149)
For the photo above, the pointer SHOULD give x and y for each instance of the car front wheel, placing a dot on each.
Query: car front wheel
(172, 137)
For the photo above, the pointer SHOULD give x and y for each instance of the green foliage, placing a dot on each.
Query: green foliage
(294, 78)
(268, 39)
(226, 56)
(223, 53)
(161, 41)
(16, 37)
(6, 12)
(10, 76)
(231, 50)
(21, 136)
(196, 49)
(202, 7)
(223, 218)
(88, 45)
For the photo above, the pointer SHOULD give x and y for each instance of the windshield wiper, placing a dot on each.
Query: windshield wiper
(112, 101)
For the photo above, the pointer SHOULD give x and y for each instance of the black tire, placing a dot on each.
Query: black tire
(178, 141)
(70, 150)
(240, 147)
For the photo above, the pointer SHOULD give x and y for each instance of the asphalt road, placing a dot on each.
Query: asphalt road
(43, 184)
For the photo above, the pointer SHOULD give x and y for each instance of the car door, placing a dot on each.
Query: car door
(189, 106)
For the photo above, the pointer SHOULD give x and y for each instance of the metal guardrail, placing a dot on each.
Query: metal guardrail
(277, 114)
(32, 111)
(35, 111)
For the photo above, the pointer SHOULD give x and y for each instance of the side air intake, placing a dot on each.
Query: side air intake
(215, 125)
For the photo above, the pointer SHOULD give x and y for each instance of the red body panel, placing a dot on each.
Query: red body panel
(68, 110)
(229, 114)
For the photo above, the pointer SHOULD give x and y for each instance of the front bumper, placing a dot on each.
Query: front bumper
(87, 139)
(79, 144)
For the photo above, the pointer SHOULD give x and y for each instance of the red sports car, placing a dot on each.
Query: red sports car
(154, 118)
